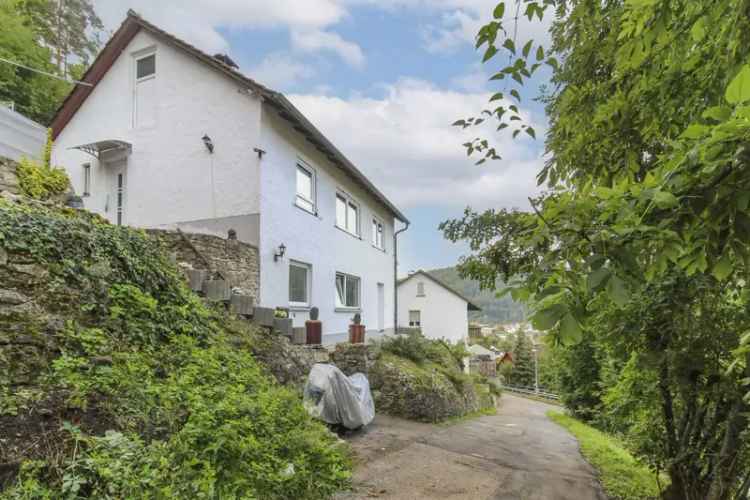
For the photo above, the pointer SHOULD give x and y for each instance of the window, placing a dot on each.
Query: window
(347, 291)
(305, 188)
(299, 284)
(415, 318)
(145, 67)
(144, 92)
(377, 234)
(120, 198)
(86, 179)
(420, 289)
(347, 214)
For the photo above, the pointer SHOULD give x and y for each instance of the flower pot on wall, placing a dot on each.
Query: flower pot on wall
(283, 326)
(357, 334)
(314, 332)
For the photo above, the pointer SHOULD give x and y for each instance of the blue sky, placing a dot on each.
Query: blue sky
(383, 79)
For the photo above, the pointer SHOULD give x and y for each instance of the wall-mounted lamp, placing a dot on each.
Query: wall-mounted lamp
(208, 142)
(278, 254)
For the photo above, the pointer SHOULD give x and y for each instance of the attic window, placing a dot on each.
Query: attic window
(420, 289)
(146, 67)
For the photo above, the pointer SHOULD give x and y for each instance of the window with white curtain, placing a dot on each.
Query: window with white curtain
(347, 291)
(415, 318)
(299, 284)
(305, 188)
(378, 239)
(347, 214)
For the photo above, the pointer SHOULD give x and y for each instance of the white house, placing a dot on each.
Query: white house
(438, 310)
(167, 136)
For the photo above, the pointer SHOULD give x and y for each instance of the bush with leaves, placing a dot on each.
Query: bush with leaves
(148, 393)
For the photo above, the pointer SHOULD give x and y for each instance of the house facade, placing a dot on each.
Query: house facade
(169, 137)
(427, 303)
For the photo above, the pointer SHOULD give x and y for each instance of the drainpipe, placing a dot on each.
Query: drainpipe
(395, 276)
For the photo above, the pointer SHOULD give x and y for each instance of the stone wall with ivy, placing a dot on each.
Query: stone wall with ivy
(235, 261)
(8, 177)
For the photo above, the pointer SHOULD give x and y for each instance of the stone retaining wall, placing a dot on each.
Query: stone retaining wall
(354, 358)
(235, 261)
(8, 177)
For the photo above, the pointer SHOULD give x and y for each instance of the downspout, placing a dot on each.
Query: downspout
(395, 276)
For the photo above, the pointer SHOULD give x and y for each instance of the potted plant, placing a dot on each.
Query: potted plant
(357, 330)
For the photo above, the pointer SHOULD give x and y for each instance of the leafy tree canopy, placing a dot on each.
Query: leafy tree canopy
(648, 197)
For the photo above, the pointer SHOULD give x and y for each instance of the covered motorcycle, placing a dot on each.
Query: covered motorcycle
(335, 398)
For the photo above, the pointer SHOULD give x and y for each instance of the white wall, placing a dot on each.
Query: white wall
(170, 176)
(443, 313)
(20, 136)
(314, 239)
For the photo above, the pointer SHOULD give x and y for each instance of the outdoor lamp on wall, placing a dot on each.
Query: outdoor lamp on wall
(278, 254)
(208, 142)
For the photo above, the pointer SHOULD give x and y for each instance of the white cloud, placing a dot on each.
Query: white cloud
(316, 40)
(281, 71)
(405, 143)
(197, 21)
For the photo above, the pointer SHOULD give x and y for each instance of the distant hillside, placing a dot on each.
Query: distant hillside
(494, 310)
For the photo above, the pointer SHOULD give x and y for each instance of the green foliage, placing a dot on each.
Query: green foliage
(34, 95)
(621, 475)
(523, 362)
(169, 403)
(640, 247)
(39, 181)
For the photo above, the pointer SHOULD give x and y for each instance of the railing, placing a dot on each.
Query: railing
(531, 392)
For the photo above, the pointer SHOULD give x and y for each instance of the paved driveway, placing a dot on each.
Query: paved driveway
(517, 454)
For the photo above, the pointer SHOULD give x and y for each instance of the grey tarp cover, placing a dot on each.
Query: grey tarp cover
(335, 398)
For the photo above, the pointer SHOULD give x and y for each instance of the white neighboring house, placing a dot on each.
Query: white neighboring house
(168, 136)
(19, 136)
(440, 311)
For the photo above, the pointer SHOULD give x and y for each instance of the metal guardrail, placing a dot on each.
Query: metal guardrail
(530, 391)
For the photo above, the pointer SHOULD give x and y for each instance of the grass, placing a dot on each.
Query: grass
(622, 476)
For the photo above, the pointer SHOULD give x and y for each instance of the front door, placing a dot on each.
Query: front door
(117, 196)
(381, 307)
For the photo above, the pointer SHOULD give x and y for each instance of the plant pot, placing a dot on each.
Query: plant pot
(244, 305)
(283, 326)
(314, 332)
(356, 334)
(217, 290)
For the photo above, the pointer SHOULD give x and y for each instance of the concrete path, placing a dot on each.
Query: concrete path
(517, 454)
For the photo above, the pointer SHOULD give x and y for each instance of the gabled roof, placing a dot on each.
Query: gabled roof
(470, 305)
(134, 23)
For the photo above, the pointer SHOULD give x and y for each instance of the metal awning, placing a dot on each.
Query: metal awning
(96, 149)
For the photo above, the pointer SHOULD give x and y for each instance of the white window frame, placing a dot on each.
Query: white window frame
(308, 269)
(86, 179)
(138, 56)
(339, 304)
(376, 222)
(349, 201)
(141, 57)
(302, 165)
(420, 289)
(415, 324)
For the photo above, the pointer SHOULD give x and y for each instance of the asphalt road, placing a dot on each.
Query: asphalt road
(517, 454)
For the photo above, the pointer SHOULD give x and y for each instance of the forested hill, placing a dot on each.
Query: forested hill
(494, 310)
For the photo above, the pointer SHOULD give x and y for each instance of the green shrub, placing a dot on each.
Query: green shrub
(621, 475)
(168, 401)
(40, 181)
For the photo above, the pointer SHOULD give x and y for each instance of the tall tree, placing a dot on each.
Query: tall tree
(648, 206)
(32, 94)
(70, 28)
(523, 361)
